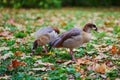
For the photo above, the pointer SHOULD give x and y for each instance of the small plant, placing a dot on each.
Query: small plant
(116, 29)
(20, 35)
(99, 35)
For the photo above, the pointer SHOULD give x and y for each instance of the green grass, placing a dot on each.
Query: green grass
(27, 21)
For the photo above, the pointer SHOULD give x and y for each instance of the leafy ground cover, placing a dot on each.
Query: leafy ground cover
(98, 59)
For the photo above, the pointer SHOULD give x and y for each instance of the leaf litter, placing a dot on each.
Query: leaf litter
(102, 58)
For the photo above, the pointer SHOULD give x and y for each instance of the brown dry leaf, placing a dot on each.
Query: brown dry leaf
(68, 62)
(100, 68)
(18, 53)
(82, 61)
(39, 62)
(53, 68)
(113, 50)
(77, 68)
(63, 23)
(60, 61)
(16, 63)
(108, 23)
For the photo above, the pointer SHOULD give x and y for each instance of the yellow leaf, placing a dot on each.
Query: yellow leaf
(50, 53)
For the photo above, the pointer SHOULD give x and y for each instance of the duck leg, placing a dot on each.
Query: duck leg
(45, 49)
(71, 53)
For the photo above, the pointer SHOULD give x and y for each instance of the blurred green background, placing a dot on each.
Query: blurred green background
(58, 3)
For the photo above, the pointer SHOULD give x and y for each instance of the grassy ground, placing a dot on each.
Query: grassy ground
(98, 59)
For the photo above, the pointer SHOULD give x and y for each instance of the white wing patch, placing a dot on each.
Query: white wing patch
(53, 35)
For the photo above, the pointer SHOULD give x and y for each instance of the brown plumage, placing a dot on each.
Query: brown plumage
(74, 38)
(43, 36)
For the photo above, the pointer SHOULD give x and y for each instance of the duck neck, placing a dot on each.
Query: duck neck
(86, 36)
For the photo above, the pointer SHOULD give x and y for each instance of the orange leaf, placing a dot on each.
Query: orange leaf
(100, 68)
(53, 68)
(15, 63)
(113, 50)
(18, 53)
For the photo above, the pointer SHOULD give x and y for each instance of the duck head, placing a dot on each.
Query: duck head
(90, 26)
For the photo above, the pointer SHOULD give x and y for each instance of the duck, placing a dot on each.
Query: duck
(43, 36)
(74, 38)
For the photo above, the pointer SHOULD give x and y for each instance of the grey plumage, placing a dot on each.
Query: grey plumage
(43, 36)
(74, 38)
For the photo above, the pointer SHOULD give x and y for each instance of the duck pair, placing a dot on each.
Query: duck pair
(71, 39)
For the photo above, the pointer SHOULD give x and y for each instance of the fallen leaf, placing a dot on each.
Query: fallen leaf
(101, 56)
(109, 63)
(102, 48)
(60, 61)
(5, 56)
(5, 34)
(91, 67)
(16, 63)
(82, 71)
(109, 29)
(53, 68)
(63, 23)
(39, 62)
(113, 50)
(68, 62)
(100, 68)
(18, 53)
(82, 61)
(82, 76)
(36, 56)
(39, 69)
(108, 23)
(12, 22)
(4, 48)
